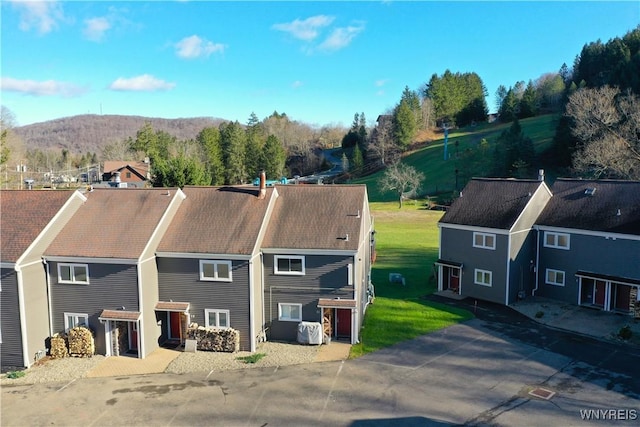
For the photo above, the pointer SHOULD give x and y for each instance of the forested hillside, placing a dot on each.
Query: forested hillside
(90, 133)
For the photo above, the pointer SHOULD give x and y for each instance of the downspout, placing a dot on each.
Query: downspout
(50, 307)
(535, 267)
(23, 320)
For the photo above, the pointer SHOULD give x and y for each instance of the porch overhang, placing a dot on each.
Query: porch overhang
(622, 280)
(182, 307)
(445, 263)
(121, 315)
(336, 303)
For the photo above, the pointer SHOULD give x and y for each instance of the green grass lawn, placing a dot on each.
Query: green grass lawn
(406, 243)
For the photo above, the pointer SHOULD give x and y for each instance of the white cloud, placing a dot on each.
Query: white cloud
(307, 29)
(195, 47)
(297, 84)
(143, 83)
(40, 15)
(95, 28)
(381, 82)
(341, 37)
(41, 88)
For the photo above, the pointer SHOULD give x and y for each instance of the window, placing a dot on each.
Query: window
(72, 320)
(289, 265)
(556, 240)
(483, 277)
(73, 273)
(128, 174)
(216, 318)
(290, 312)
(484, 240)
(219, 271)
(555, 277)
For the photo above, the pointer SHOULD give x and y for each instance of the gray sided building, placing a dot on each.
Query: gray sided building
(102, 271)
(30, 221)
(589, 245)
(487, 241)
(210, 265)
(317, 260)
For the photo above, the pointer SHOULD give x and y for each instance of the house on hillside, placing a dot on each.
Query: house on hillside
(589, 245)
(487, 240)
(134, 174)
(101, 268)
(316, 255)
(30, 221)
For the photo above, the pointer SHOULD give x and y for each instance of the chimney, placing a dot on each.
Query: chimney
(263, 185)
(540, 174)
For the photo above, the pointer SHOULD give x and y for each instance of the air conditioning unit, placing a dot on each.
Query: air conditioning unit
(310, 333)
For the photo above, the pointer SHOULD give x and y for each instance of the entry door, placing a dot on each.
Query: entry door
(622, 295)
(174, 325)
(343, 320)
(133, 336)
(454, 279)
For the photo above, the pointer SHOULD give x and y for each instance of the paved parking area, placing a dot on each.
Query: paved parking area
(476, 373)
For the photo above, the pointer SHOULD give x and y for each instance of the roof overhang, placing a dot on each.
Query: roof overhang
(336, 303)
(607, 277)
(172, 306)
(446, 263)
(125, 316)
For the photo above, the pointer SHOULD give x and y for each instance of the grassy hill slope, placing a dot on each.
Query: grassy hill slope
(439, 173)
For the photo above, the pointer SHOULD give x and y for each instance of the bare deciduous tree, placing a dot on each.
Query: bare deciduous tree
(402, 179)
(607, 123)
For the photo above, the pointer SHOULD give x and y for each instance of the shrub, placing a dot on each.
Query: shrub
(15, 374)
(253, 358)
(625, 332)
(539, 314)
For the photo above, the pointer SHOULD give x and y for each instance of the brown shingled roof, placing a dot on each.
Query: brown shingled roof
(113, 223)
(491, 202)
(127, 316)
(220, 220)
(316, 217)
(572, 207)
(24, 214)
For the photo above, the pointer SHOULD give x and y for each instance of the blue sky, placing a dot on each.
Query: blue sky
(319, 62)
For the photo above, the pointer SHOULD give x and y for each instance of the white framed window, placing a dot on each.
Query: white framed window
(290, 312)
(73, 273)
(554, 277)
(482, 277)
(218, 271)
(288, 264)
(484, 240)
(216, 318)
(72, 320)
(556, 240)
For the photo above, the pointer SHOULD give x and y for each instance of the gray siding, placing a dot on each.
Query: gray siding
(523, 256)
(326, 276)
(11, 347)
(179, 280)
(37, 308)
(615, 257)
(457, 245)
(112, 286)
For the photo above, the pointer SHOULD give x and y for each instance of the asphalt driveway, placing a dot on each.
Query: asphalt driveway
(476, 373)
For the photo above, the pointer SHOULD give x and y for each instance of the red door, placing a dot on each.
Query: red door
(174, 324)
(623, 297)
(344, 323)
(600, 292)
(454, 279)
(133, 334)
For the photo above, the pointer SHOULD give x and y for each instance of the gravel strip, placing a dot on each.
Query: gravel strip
(70, 368)
(276, 354)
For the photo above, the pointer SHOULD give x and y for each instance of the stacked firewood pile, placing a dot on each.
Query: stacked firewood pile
(220, 340)
(81, 343)
(58, 347)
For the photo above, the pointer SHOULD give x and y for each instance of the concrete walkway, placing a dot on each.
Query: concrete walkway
(116, 366)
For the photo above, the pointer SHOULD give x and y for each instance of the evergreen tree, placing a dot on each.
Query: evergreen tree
(179, 171)
(209, 141)
(529, 101)
(357, 162)
(404, 125)
(274, 158)
(233, 140)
